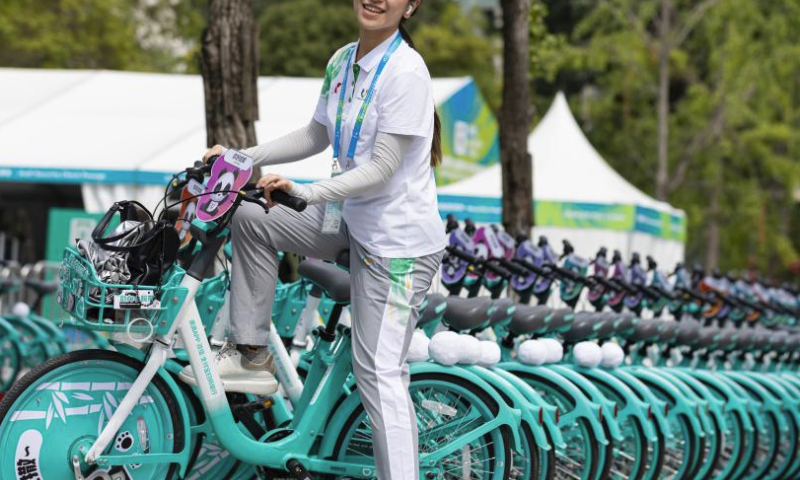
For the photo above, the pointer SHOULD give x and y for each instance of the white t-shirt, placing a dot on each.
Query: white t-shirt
(399, 219)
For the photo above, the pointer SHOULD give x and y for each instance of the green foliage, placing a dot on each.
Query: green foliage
(298, 37)
(545, 47)
(455, 45)
(734, 125)
(111, 34)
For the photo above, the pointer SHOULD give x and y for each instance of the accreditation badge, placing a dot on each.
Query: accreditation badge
(333, 217)
(333, 210)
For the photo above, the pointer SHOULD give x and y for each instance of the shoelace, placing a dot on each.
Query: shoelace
(227, 350)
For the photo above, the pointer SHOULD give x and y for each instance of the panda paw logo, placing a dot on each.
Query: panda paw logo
(124, 442)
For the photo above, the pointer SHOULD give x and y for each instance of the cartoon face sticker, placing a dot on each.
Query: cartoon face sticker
(223, 185)
(186, 222)
(228, 174)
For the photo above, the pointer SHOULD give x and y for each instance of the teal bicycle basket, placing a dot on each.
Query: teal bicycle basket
(135, 309)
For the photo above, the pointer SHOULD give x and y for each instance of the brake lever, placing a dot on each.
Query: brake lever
(255, 196)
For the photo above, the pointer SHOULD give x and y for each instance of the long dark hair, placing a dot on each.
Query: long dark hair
(436, 145)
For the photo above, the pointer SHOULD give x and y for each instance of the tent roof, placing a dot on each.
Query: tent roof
(139, 122)
(566, 167)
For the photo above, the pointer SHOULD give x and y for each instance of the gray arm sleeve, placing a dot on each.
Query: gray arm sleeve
(387, 155)
(303, 143)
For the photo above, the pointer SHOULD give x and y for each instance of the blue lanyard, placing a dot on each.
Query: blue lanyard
(351, 151)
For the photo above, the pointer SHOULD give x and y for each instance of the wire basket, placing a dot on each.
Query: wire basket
(210, 298)
(290, 298)
(140, 311)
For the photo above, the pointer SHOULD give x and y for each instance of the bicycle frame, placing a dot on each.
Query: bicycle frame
(329, 371)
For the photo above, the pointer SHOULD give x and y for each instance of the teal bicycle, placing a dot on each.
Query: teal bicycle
(98, 414)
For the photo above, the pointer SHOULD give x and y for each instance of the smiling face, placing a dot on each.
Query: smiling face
(382, 14)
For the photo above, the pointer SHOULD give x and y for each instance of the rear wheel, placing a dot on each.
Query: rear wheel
(55, 413)
(447, 408)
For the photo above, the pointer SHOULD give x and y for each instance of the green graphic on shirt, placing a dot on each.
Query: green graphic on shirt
(335, 65)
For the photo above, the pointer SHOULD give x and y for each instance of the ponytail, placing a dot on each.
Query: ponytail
(436, 145)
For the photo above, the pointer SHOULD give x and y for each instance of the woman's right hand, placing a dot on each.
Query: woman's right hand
(215, 150)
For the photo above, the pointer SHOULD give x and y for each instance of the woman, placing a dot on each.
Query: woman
(376, 109)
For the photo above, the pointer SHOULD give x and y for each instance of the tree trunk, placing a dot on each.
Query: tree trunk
(663, 101)
(515, 118)
(229, 64)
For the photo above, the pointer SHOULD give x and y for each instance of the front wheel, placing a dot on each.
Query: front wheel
(54, 414)
(447, 407)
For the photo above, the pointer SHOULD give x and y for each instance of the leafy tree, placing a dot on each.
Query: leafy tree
(456, 45)
(733, 116)
(298, 37)
(111, 34)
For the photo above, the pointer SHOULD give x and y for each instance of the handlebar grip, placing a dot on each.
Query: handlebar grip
(462, 255)
(530, 267)
(497, 269)
(563, 272)
(513, 268)
(283, 198)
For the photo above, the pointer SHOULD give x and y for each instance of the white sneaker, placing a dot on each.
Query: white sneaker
(239, 374)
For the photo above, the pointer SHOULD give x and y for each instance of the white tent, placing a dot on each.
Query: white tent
(579, 197)
(122, 134)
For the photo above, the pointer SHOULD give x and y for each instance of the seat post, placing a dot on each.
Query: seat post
(333, 320)
(37, 303)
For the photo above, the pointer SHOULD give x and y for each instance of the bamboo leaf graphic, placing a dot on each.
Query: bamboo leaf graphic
(59, 409)
(49, 416)
(100, 421)
(63, 397)
(107, 409)
(82, 396)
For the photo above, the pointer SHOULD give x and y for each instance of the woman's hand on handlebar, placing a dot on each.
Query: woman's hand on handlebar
(217, 150)
(271, 182)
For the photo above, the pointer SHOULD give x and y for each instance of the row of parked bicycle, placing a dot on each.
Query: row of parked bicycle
(501, 388)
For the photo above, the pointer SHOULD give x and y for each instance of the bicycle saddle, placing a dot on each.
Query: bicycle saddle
(623, 323)
(343, 259)
(559, 320)
(504, 310)
(776, 341)
(435, 305)
(334, 281)
(41, 287)
(793, 344)
(758, 339)
(707, 337)
(745, 341)
(645, 330)
(727, 339)
(688, 330)
(467, 313)
(611, 324)
(584, 327)
(667, 331)
(527, 319)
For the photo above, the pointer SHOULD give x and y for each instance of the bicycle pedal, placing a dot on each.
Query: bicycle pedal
(256, 406)
(298, 471)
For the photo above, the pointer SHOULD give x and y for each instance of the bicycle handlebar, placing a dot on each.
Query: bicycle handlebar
(473, 260)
